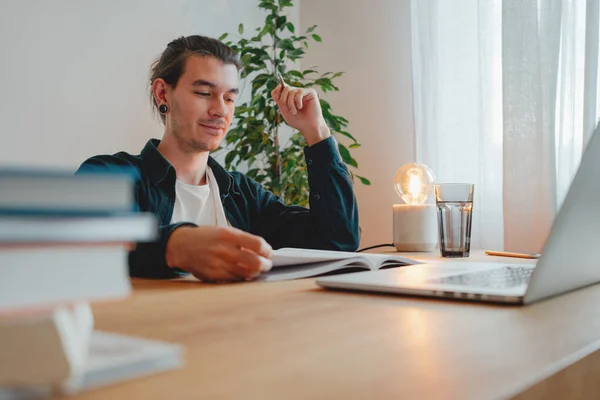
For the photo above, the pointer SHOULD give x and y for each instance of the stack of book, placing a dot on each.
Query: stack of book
(64, 242)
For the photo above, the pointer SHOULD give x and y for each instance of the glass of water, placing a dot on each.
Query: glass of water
(454, 206)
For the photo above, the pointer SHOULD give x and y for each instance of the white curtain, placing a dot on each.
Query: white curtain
(505, 97)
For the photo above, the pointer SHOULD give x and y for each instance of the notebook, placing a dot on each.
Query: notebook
(42, 277)
(51, 190)
(119, 227)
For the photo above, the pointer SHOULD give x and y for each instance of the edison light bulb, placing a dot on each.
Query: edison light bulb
(415, 223)
(414, 183)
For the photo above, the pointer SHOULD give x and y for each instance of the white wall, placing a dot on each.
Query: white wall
(370, 41)
(74, 73)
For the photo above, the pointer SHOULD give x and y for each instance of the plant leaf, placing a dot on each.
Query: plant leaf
(364, 181)
(223, 36)
(348, 135)
(281, 22)
(317, 37)
(346, 156)
(286, 44)
(229, 157)
(241, 29)
(268, 6)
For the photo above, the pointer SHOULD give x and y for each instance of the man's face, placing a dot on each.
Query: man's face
(202, 103)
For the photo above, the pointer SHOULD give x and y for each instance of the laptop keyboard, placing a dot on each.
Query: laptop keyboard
(494, 278)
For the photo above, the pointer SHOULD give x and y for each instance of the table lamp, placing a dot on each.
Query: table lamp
(415, 223)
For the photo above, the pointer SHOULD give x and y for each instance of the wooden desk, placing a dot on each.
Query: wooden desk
(292, 340)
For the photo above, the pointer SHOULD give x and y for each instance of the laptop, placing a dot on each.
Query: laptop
(569, 259)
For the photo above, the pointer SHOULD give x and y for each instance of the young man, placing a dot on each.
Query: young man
(219, 225)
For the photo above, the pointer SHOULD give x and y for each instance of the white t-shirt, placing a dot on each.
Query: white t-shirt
(200, 205)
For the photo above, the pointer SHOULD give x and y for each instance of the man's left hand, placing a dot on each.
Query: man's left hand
(302, 111)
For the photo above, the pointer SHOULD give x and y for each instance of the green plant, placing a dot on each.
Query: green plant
(256, 136)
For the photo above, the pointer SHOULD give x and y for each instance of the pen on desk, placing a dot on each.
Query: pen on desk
(533, 256)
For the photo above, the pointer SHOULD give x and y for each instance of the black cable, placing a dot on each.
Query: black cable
(376, 246)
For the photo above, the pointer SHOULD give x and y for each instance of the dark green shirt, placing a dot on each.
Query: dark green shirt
(331, 222)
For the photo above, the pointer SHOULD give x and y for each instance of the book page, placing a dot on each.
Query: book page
(287, 272)
(293, 256)
(293, 263)
(389, 260)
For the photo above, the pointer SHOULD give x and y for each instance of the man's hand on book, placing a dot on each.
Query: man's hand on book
(218, 254)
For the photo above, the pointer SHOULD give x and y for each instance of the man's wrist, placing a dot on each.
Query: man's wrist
(319, 135)
(172, 253)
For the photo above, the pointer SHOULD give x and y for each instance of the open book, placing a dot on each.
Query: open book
(112, 358)
(291, 263)
(61, 353)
